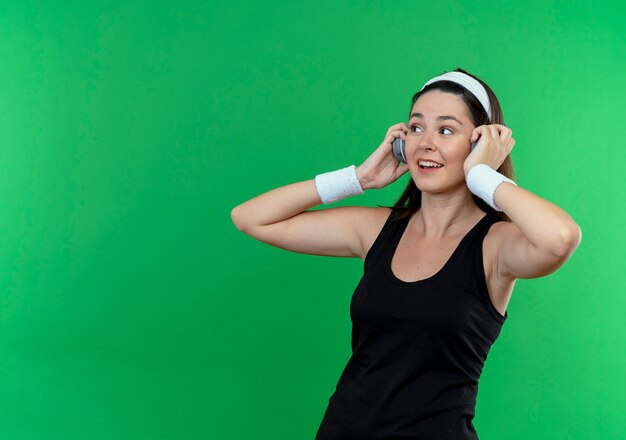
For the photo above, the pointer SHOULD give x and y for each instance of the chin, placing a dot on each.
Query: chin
(437, 186)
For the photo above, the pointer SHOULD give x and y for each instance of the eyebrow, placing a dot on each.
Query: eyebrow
(439, 118)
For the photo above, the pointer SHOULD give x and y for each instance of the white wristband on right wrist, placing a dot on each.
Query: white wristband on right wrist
(337, 185)
(483, 180)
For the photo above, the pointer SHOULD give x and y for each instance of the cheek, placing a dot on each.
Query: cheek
(457, 152)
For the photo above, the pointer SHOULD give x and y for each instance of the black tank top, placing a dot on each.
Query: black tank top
(418, 348)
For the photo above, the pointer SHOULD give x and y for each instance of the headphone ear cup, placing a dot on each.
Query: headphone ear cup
(403, 150)
(399, 150)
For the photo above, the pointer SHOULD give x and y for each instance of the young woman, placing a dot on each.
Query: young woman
(439, 266)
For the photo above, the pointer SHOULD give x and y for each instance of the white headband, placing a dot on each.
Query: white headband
(469, 83)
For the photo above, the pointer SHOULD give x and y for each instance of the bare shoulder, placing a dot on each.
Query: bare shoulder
(498, 233)
(368, 229)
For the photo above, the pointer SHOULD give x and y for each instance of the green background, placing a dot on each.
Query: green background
(130, 305)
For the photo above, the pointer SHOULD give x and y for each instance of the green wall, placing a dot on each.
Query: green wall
(132, 308)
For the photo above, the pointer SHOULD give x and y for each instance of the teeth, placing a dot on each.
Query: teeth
(425, 163)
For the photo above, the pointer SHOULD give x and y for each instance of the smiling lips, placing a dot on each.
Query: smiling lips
(428, 164)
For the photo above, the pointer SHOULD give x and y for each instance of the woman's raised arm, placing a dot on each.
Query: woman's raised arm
(280, 218)
(541, 236)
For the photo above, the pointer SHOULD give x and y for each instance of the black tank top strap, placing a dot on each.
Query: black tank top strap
(486, 223)
(390, 232)
(475, 237)
(478, 232)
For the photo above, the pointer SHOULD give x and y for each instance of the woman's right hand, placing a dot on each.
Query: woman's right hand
(382, 168)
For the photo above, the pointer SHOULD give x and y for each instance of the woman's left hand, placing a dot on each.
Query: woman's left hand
(493, 147)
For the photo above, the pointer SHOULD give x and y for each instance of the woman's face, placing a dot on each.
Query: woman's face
(438, 141)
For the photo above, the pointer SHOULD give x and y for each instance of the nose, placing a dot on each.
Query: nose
(425, 142)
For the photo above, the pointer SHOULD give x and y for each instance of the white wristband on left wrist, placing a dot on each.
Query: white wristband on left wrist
(483, 180)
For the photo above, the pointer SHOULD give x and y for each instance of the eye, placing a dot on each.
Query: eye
(414, 129)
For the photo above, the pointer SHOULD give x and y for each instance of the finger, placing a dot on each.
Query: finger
(506, 133)
(400, 126)
(399, 133)
(510, 144)
(401, 170)
(390, 137)
(505, 136)
(477, 131)
(482, 130)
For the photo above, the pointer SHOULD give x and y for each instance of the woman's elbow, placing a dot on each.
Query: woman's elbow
(569, 237)
(237, 220)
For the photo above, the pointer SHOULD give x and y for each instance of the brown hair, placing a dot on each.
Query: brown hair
(411, 199)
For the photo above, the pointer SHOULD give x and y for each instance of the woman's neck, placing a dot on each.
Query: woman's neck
(444, 214)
